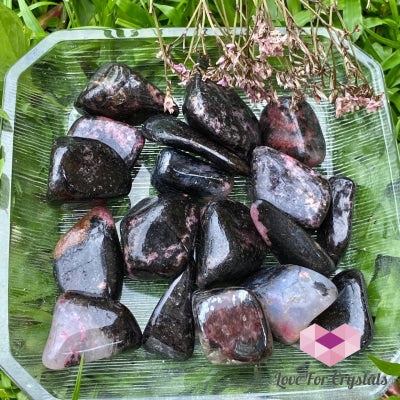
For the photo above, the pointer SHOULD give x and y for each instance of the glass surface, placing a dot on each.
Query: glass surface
(39, 93)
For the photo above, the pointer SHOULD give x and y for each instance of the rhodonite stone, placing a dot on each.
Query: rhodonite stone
(170, 330)
(334, 233)
(97, 327)
(297, 133)
(291, 186)
(126, 140)
(177, 172)
(287, 240)
(88, 258)
(221, 114)
(173, 132)
(86, 169)
(291, 297)
(231, 325)
(118, 92)
(351, 306)
(158, 236)
(230, 247)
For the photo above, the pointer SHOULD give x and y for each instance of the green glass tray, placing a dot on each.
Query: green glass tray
(38, 97)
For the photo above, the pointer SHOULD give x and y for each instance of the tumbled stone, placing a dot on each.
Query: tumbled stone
(173, 132)
(86, 169)
(291, 186)
(221, 114)
(291, 297)
(231, 325)
(334, 233)
(126, 140)
(158, 236)
(177, 172)
(170, 330)
(118, 92)
(293, 132)
(88, 258)
(97, 327)
(230, 247)
(351, 306)
(287, 240)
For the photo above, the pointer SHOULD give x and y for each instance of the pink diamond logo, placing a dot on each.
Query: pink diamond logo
(330, 347)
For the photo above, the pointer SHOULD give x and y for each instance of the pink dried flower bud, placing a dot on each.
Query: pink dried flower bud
(375, 104)
(169, 103)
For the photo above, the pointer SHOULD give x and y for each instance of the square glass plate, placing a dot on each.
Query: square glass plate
(39, 93)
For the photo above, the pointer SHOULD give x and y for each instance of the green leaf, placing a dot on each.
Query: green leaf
(294, 6)
(135, 14)
(385, 366)
(77, 389)
(30, 20)
(392, 61)
(302, 18)
(381, 39)
(13, 42)
(3, 114)
(352, 16)
(372, 22)
(84, 11)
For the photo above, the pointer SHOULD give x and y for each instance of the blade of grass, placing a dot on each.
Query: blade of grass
(385, 366)
(39, 4)
(8, 3)
(381, 39)
(30, 20)
(352, 16)
(75, 395)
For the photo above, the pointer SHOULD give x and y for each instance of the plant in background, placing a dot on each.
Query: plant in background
(258, 58)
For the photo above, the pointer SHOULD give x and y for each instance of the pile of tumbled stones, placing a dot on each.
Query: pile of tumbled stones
(211, 247)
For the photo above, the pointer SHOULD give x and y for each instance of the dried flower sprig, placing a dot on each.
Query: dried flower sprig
(258, 58)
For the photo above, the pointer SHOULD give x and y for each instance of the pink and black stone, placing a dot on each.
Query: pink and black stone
(86, 169)
(221, 114)
(158, 236)
(334, 233)
(118, 92)
(297, 133)
(290, 243)
(177, 172)
(170, 330)
(173, 132)
(351, 306)
(88, 258)
(291, 186)
(126, 140)
(291, 297)
(230, 247)
(97, 327)
(231, 325)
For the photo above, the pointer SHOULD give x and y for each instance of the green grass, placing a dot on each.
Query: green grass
(24, 23)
